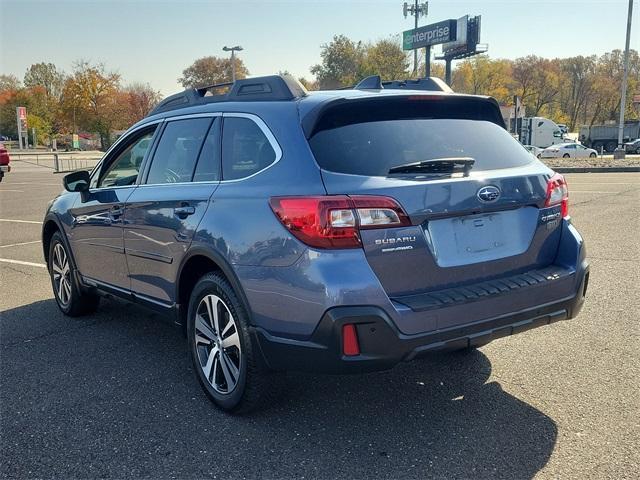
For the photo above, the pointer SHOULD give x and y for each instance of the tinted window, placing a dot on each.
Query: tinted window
(175, 158)
(245, 148)
(373, 147)
(124, 169)
(208, 168)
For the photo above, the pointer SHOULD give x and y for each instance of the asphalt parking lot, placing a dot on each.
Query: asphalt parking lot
(114, 395)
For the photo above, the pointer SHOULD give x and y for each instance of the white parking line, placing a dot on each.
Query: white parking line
(19, 221)
(592, 191)
(18, 244)
(37, 184)
(15, 191)
(20, 262)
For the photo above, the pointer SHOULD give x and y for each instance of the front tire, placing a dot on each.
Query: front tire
(223, 353)
(566, 155)
(592, 155)
(71, 299)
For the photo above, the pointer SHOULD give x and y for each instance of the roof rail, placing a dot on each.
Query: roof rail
(268, 88)
(373, 82)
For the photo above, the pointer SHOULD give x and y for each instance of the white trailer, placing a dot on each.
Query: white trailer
(540, 132)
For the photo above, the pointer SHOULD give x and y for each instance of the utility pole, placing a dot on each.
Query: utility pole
(233, 50)
(417, 11)
(619, 152)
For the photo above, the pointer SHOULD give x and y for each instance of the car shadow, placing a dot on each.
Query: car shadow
(114, 395)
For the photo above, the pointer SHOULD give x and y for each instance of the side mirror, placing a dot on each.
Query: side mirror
(77, 181)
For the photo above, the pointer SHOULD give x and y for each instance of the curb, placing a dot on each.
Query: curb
(595, 169)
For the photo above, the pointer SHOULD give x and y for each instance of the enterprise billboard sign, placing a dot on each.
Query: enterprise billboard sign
(434, 34)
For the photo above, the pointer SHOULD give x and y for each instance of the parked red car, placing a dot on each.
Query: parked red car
(4, 161)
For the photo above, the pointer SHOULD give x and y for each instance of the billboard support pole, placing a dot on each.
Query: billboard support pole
(415, 51)
(447, 70)
(427, 61)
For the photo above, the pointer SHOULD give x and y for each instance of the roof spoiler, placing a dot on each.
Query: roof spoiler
(268, 88)
(433, 84)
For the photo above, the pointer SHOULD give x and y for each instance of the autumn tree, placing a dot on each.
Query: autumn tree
(480, 75)
(309, 84)
(211, 70)
(95, 96)
(577, 83)
(141, 98)
(536, 81)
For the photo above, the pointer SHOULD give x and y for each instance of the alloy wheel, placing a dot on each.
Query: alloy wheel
(61, 272)
(217, 344)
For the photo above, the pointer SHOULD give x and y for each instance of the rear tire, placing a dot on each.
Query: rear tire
(72, 300)
(610, 146)
(224, 355)
(566, 155)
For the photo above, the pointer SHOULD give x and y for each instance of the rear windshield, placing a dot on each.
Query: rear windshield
(373, 146)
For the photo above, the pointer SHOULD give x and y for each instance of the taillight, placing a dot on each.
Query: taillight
(558, 194)
(334, 221)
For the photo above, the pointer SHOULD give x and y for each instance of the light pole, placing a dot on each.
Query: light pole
(75, 104)
(233, 50)
(619, 152)
(417, 10)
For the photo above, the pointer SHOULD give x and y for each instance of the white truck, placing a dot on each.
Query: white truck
(539, 132)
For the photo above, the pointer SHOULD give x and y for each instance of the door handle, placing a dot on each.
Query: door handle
(184, 212)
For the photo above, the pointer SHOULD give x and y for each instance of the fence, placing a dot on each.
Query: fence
(59, 161)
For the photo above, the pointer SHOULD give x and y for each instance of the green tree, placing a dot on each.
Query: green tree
(42, 128)
(9, 83)
(341, 62)
(385, 58)
(45, 75)
(211, 70)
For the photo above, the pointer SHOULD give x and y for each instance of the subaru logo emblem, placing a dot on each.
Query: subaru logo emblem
(488, 194)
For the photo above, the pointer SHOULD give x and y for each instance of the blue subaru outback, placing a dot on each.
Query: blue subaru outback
(336, 231)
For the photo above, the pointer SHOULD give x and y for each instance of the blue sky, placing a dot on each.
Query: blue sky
(153, 41)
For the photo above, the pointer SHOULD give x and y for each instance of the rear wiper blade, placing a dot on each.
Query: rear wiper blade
(437, 166)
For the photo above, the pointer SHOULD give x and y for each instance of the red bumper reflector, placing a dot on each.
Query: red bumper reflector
(350, 346)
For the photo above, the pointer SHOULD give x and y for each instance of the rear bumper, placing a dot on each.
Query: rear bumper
(382, 345)
(5, 168)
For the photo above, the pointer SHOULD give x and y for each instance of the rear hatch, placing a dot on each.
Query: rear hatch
(468, 223)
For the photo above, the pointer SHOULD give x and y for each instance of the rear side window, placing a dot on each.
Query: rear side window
(245, 148)
(358, 142)
(175, 158)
